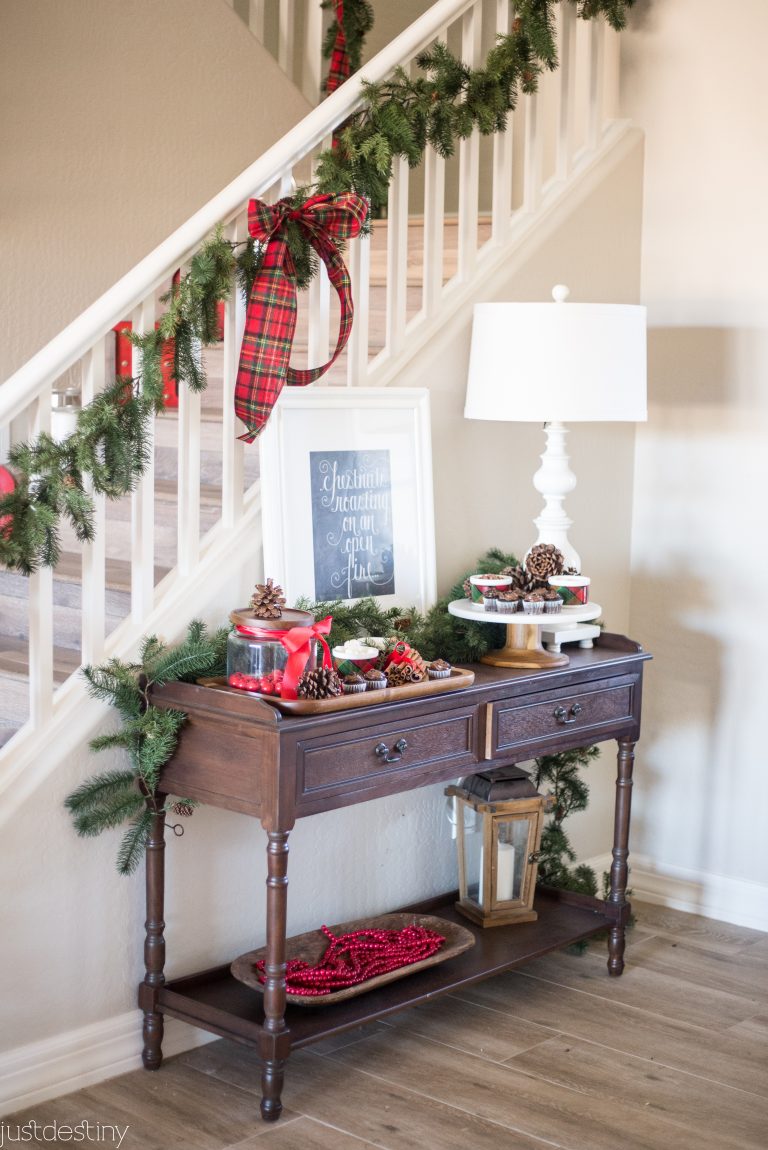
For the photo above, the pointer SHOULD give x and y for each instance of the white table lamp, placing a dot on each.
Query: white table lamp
(556, 363)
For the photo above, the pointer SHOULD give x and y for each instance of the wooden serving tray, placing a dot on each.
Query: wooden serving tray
(311, 947)
(458, 678)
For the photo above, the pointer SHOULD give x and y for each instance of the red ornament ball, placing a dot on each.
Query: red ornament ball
(7, 485)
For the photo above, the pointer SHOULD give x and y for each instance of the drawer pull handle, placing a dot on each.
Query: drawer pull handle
(383, 751)
(561, 714)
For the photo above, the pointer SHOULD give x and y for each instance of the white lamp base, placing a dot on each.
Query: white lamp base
(554, 480)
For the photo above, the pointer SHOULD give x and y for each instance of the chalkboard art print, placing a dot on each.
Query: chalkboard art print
(353, 543)
(346, 495)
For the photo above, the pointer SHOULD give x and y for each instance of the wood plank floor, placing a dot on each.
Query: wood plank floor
(673, 1054)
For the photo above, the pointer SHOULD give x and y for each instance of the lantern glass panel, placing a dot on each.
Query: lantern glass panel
(473, 853)
(511, 858)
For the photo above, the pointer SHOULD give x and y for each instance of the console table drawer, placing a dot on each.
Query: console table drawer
(381, 758)
(588, 713)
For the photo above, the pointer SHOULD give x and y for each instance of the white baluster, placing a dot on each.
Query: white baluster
(434, 223)
(319, 303)
(93, 579)
(567, 93)
(397, 256)
(534, 140)
(143, 499)
(469, 154)
(501, 207)
(318, 298)
(312, 52)
(595, 113)
(188, 521)
(359, 264)
(286, 37)
(611, 73)
(231, 427)
(40, 600)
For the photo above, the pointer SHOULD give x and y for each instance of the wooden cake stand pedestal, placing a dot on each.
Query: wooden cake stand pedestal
(522, 649)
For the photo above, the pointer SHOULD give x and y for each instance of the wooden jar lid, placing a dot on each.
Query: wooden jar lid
(244, 617)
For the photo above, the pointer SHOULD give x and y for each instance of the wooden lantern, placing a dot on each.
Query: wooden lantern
(500, 817)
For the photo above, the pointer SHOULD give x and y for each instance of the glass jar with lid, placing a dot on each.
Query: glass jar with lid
(256, 656)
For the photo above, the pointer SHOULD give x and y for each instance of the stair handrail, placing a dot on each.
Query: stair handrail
(73, 341)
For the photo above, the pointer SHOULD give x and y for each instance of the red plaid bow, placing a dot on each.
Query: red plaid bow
(340, 67)
(271, 317)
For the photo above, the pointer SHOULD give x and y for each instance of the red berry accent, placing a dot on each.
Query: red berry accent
(355, 957)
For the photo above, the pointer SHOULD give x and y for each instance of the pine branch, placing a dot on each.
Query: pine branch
(94, 821)
(99, 790)
(190, 659)
(115, 683)
(149, 734)
(134, 843)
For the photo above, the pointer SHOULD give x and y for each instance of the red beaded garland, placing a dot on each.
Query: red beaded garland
(353, 958)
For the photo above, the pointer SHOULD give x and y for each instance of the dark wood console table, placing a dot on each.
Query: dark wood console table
(241, 754)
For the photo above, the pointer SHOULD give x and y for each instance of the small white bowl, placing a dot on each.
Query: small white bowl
(572, 589)
(498, 582)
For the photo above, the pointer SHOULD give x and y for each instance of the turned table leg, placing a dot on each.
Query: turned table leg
(154, 943)
(617, 898)
(275, 1040)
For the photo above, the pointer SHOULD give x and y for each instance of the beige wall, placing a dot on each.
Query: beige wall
(118, 120)
(694, 80)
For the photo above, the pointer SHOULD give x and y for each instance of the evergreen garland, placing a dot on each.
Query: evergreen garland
(447, 100)
(109, 448)
(444, 103)
(149, 734)
(560, 774)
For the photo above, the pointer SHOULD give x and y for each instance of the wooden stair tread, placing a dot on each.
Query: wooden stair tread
(117, 571)
(14, 660)
(210, 494)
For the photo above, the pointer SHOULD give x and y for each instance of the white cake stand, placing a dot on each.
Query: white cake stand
(523, 648)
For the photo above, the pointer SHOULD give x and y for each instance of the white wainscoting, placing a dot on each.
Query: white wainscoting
(717, 896)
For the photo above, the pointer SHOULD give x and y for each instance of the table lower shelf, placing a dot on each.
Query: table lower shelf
(216, 1001)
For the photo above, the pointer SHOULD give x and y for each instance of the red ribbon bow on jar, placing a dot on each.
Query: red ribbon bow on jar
(297, 643)
(270, 320)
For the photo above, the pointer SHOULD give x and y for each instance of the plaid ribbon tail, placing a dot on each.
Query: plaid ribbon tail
(271, 316)
(340, 67)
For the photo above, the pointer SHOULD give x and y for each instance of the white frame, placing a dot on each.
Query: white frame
(340, 419)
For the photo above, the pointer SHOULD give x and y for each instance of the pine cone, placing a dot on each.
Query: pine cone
(518, 576)
(268, 600)
(322, 683)
(544, 560)
(398, 674)
(183, 810)
(467, 589)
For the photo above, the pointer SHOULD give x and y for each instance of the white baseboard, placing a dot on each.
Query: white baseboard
(78, 1058)
(733, 900)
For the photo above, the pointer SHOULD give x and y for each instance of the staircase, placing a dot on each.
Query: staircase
(161, 554)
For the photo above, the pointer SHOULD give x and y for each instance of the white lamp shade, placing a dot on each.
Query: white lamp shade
(565, 362)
